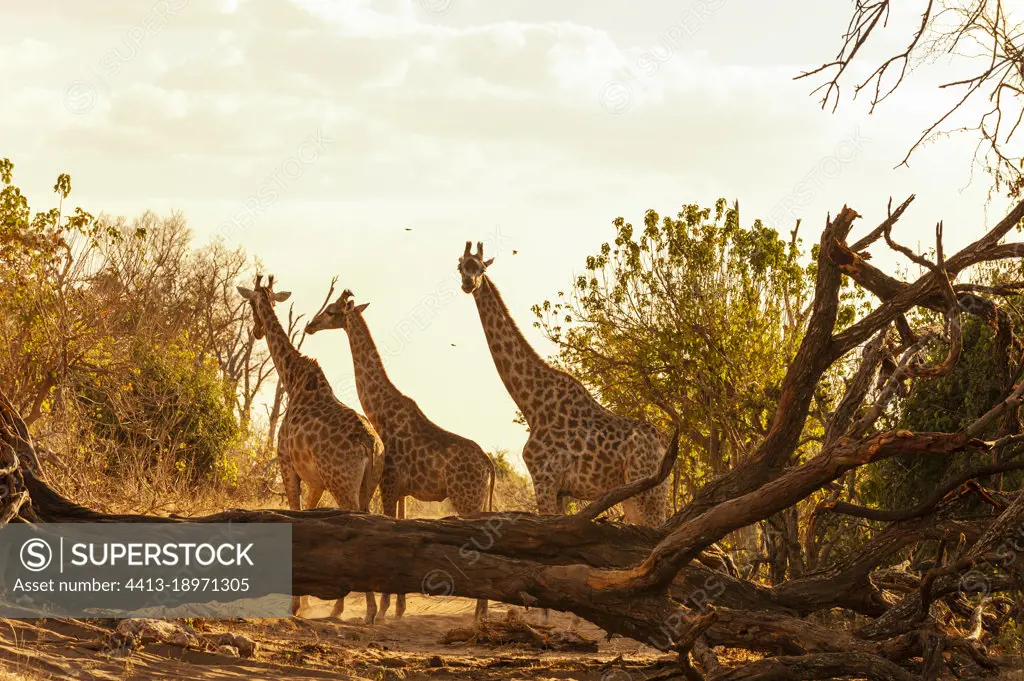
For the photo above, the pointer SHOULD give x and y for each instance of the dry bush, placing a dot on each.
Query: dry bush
(246, 477)
(132, 357)
(512, 491)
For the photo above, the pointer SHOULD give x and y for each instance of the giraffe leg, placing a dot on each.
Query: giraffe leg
(649, 508)
(339, 604)
(385, 604)
(370, 482)
(313, 496)
(355, 504)
(389, 502)
(338, 609)
(293, 492)
(292, 485)
(345, 485)
(466, 504)
(371, 600)
(574, 619)
(549, 502)
(371, 608)
(400, 598)
(481, 610)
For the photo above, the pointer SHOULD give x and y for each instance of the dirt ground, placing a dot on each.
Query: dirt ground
(310, 648)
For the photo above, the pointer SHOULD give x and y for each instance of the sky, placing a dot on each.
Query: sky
(370, 139)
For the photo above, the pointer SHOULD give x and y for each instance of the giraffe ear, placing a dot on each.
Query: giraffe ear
(282, 296)
(360, 308)
(246, 293)
(487, 263)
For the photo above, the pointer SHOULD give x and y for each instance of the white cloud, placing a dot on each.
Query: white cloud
(29, 53)
(366, 18)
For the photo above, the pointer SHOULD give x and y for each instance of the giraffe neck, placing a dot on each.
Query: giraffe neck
(522, 370)
(287, 360)
(374, 387)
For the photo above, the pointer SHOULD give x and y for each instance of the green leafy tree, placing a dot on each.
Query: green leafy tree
(694, 316)
(173, 406)
(947, 404)
(49, 324)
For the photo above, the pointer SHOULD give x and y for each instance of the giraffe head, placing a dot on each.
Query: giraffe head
(336, 315)
(253, 294)
(472, 267)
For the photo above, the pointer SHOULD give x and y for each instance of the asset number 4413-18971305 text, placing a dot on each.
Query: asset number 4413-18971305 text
(233, 584)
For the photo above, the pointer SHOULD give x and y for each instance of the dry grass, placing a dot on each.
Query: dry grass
(515, 630)
(123, 481)
(511, 493)
(248, 479)
(23, 675)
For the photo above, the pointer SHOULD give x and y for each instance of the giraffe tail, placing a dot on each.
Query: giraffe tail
(494, 475)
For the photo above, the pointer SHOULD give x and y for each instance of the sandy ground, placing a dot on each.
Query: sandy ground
(309, 648)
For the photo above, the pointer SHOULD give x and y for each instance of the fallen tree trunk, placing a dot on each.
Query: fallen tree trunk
(518, 558)
(337, 552)
(823, 666)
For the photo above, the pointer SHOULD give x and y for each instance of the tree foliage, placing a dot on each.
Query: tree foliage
(123, 340)
(694, 316)
(950, 403)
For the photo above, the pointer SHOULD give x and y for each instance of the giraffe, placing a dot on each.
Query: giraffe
(421, 459)
(576, 447)
(321, 441)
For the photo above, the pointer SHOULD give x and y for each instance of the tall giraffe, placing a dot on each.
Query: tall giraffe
(576, 448)
(321, 441)
(421, 459)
